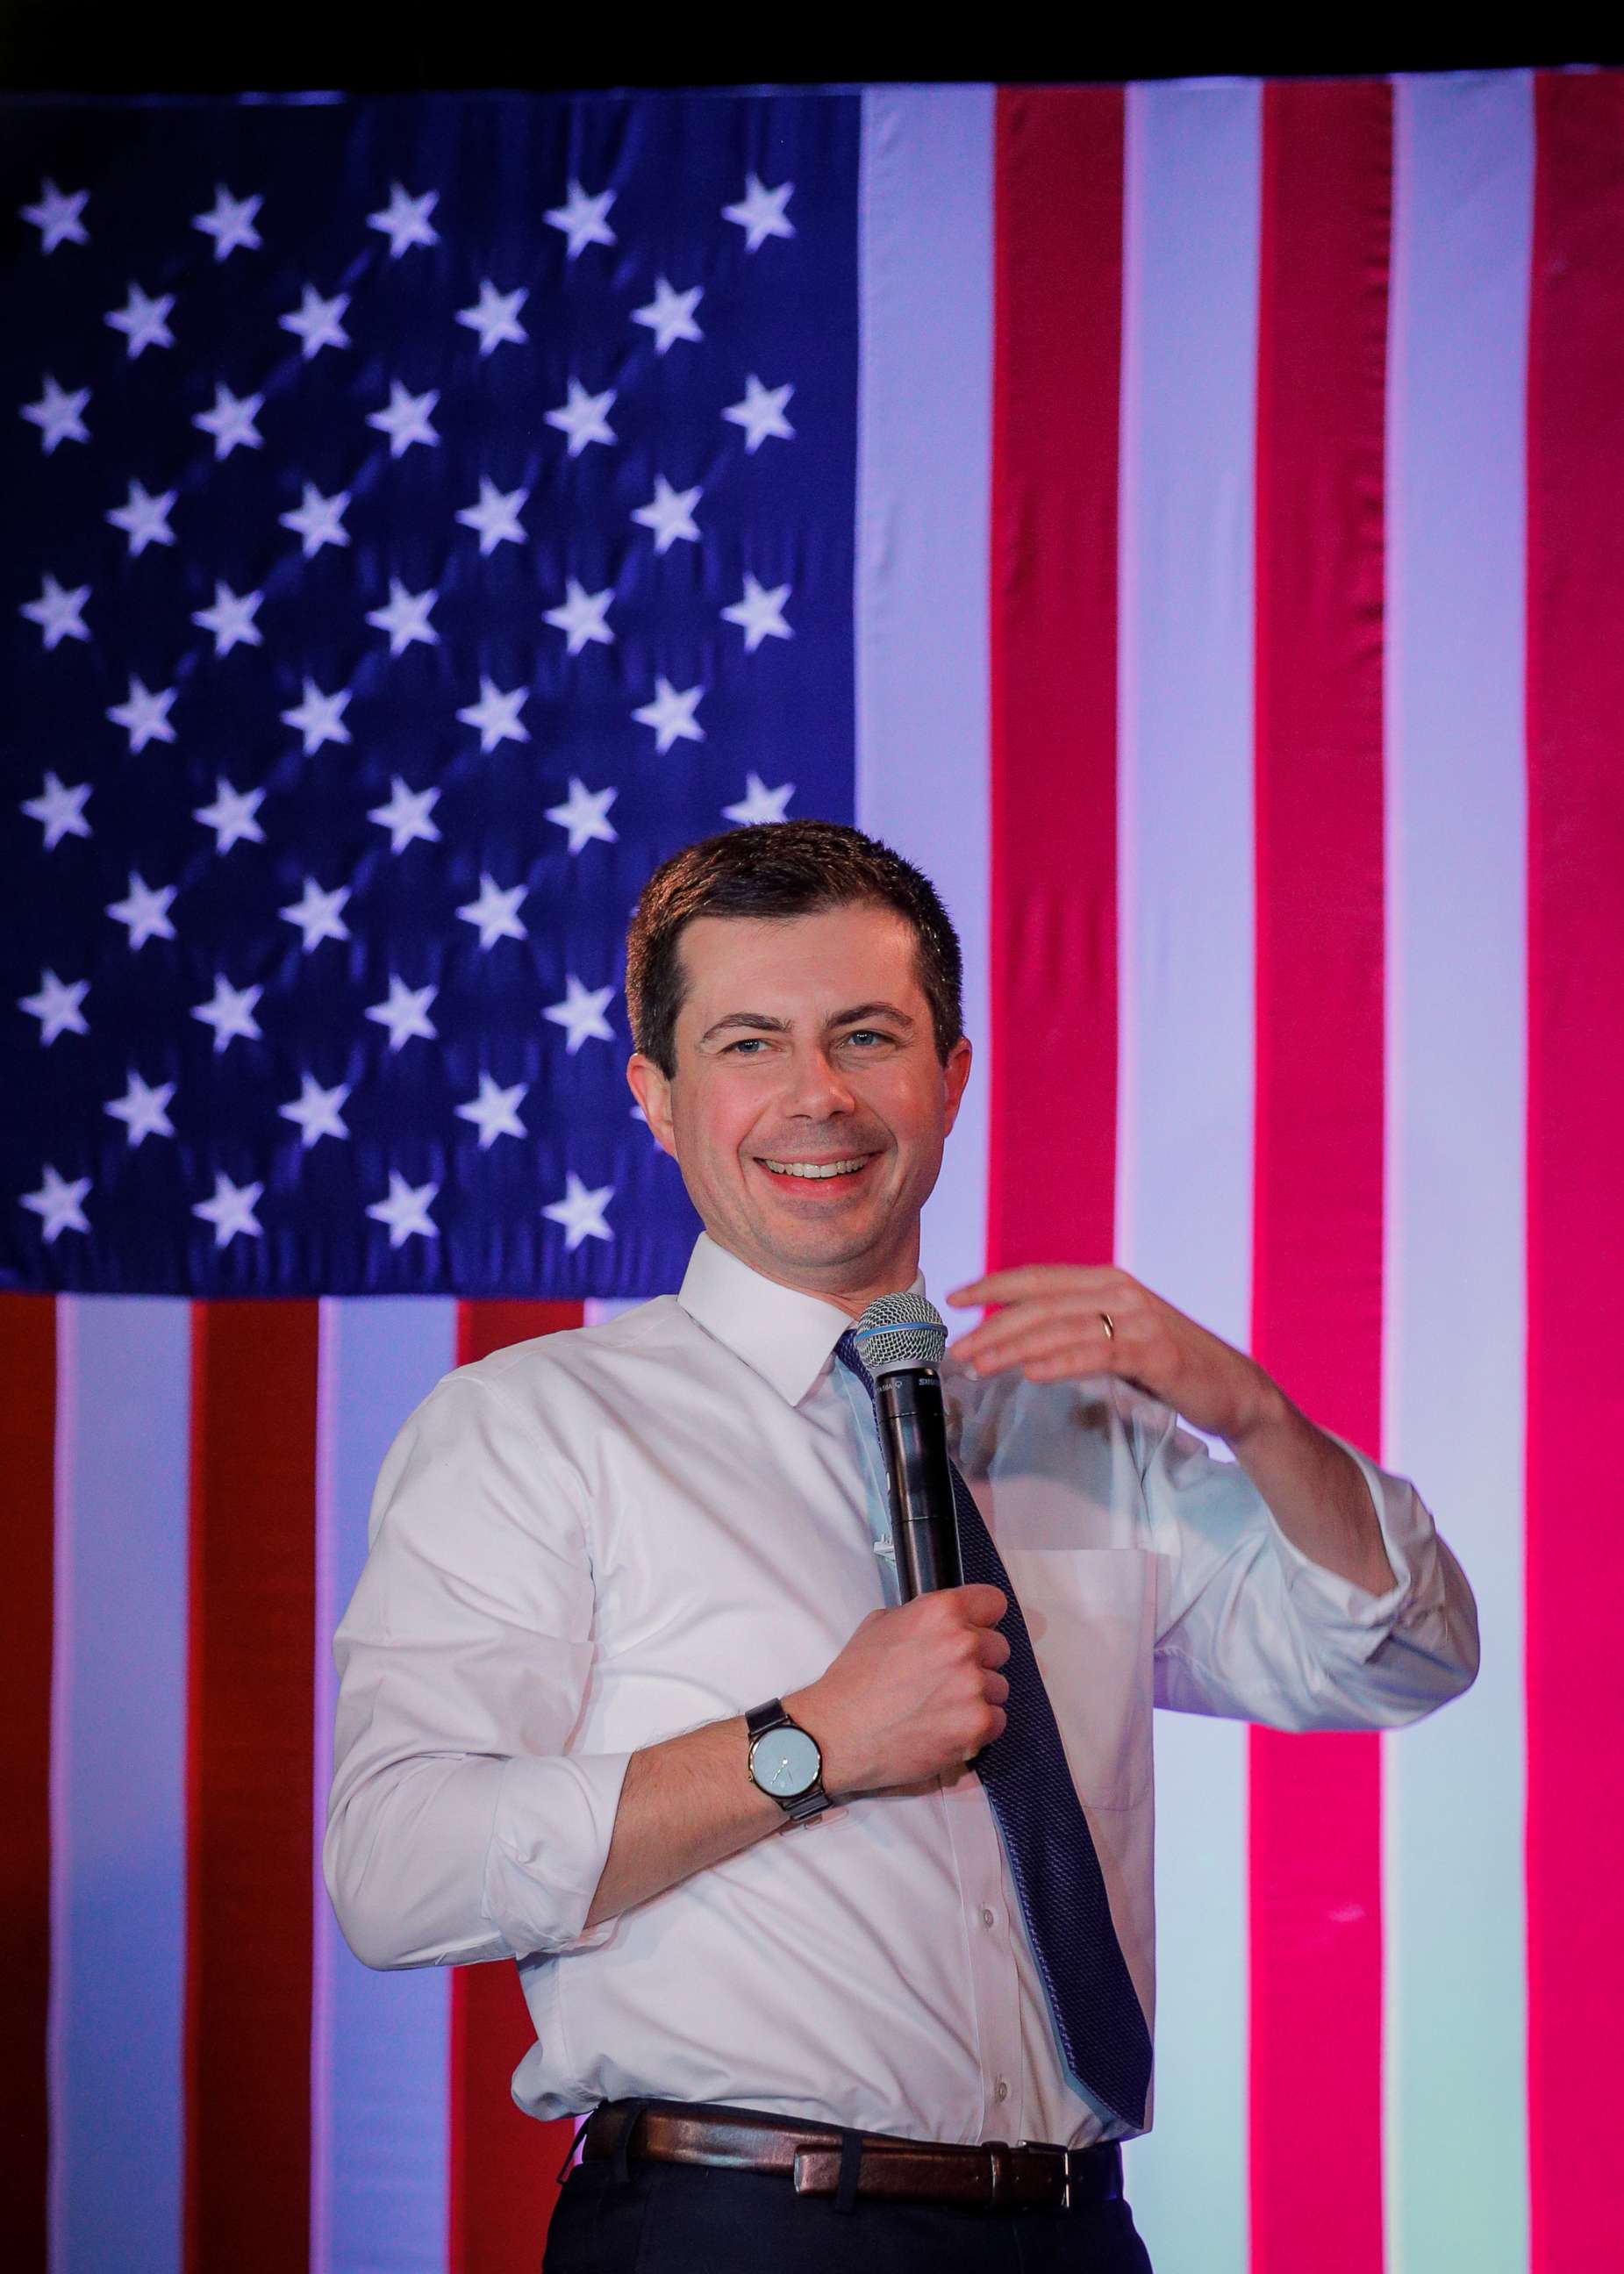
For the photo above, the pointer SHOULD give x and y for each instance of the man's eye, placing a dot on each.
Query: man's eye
(750, 1043)
(867, 1034)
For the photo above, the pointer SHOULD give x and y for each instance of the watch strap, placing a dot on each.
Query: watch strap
(760, 1719)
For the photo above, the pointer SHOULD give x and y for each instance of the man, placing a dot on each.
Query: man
(629, 1613)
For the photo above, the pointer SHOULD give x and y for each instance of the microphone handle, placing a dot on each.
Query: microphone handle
(924, 1527)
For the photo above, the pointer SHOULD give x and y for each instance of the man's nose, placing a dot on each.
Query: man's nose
(816, 1086)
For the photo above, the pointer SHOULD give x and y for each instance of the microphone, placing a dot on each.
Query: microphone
(901, 1339)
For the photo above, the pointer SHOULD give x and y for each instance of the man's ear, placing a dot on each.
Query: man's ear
(955, 1075)
(651, 1089)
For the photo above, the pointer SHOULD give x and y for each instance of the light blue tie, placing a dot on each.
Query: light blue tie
(1098, 2021)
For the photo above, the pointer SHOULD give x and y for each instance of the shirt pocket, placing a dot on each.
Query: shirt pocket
(1090, 1612)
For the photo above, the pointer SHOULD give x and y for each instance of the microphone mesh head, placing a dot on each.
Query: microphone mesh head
(900, 1330)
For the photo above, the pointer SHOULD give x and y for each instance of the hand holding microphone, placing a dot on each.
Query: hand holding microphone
(915, 1693)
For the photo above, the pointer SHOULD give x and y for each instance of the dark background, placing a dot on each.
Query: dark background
(94, 46)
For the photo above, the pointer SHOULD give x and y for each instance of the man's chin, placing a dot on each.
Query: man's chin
(822, 1247)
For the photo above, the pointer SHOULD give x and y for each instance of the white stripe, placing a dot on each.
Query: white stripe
(1454, 2027)
(1185, 1136)
(379, 2043)
(118, 1832)
(924, 471)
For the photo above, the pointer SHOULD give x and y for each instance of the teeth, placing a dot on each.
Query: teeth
(813, 1168)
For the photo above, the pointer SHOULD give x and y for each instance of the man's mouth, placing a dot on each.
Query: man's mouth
(840, 1172)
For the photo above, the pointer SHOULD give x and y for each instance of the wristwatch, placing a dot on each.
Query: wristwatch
(784, 1760)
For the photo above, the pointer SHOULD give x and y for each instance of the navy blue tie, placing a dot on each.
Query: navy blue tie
(1098, 2021)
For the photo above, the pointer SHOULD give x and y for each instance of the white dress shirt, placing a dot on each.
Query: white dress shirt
(589, 1542)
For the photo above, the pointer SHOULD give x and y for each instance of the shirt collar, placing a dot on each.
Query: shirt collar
(786, 1335)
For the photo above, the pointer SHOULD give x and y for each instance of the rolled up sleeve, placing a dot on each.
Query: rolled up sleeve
(461, 1826)
(1249, 1626)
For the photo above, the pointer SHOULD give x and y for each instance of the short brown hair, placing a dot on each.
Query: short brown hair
(780, 868)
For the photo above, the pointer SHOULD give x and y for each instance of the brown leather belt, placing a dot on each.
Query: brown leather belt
(996, 2176)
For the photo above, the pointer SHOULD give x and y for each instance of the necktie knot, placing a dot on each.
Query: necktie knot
(851, 1358)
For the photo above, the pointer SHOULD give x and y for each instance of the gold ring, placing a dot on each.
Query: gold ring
(1111, 1331)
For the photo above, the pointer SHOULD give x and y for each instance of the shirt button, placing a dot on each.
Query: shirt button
(1001, 2091)
(988, 1915)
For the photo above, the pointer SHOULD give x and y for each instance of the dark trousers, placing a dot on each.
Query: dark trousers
(686, 2218)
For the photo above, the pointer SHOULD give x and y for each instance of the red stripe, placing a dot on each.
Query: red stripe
(1575, 1190)
(251, 1705)
(504, 2165)
(1315, 1802)
(28, 1461)
(1057, 385)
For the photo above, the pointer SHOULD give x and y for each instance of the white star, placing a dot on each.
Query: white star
(143, 321)
(670, 513)
(231, 619)
(58, 614)
(760, 212)
(406, 816)
(497, 715)
(760, 613)
(405, 220)
(583, 418)
(581, 1212)
(231, 1210)
(671, 715)
(584, 814)
(496, 516)
(230, 222)
(581, 1013)
(58, 1203)
(317, 322)
(406, 1013)
(494, 1113)
(231, 815)
(669, 315)
(146, 913)
(406, 420)
(318, 914)
(231, 421)
(58, 415)
(57, 216)
(581, 617)
(56, 1006)
(760, 414)
(320, 718)
(496, 316)
(144, 714)
(583, 218)
(319, 520)
(406, 618)
(495, 913)
(229, 1011)
(60, 809)
(144, 519)
(317, 1110)
(759, 804)
(406, 1211)
(144, 1111)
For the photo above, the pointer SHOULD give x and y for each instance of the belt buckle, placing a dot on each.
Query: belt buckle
(1052, 2148)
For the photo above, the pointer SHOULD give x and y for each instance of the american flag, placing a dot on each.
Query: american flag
(1189, 521)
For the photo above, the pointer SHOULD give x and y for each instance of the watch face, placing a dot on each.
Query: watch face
(784, 1763)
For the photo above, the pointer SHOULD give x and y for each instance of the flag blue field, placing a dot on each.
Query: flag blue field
(422, 517)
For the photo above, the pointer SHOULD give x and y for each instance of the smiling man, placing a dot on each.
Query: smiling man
(631, 1610)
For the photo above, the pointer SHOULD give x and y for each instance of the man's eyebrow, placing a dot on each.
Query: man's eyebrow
(870, 1011)
(756, 1019)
